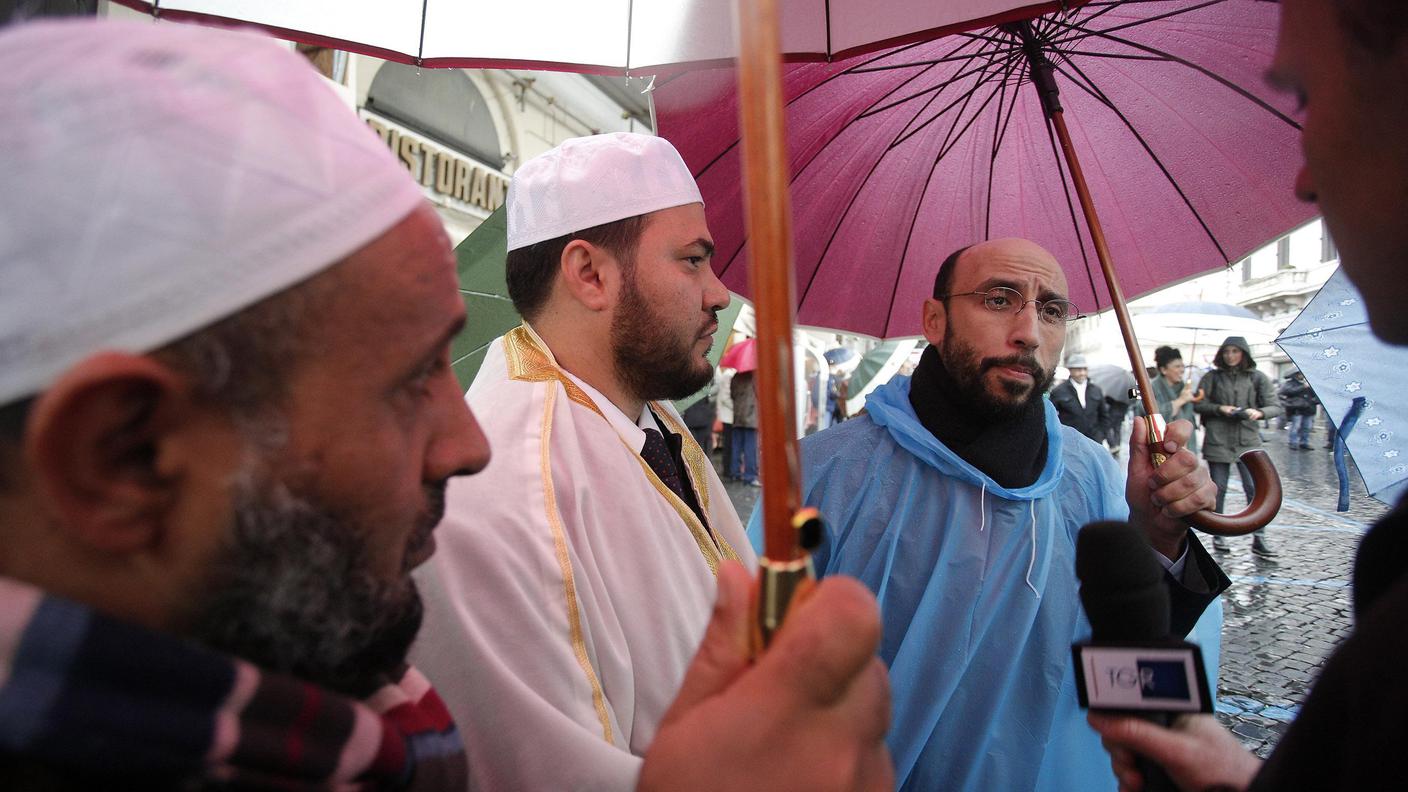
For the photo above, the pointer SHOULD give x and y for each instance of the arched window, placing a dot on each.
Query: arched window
(440, 103)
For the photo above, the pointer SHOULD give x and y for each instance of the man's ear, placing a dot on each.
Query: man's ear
(93, 442)
(935, 317)
(589, 274)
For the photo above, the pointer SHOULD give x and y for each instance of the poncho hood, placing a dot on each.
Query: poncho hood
(888, 406)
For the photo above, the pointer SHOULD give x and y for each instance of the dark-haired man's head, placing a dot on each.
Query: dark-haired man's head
(1000, 361)
(629, 304)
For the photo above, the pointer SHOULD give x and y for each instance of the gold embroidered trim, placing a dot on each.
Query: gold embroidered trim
(569, 586)
(527, 361)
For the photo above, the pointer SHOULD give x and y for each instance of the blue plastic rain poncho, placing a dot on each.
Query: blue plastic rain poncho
(978, 594)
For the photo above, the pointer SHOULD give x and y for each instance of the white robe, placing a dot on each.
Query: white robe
(570, 588)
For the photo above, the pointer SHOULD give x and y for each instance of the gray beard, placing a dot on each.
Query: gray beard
(292, 590)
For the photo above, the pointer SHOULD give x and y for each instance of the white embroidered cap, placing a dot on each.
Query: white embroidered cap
(160, 177)
(587, 181)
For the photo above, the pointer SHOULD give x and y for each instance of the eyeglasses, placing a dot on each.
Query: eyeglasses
(1003, 300)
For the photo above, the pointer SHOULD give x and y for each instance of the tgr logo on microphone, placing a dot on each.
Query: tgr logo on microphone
(1144, 678)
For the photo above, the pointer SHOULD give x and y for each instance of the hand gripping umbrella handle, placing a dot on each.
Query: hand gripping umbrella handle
(1266, 483)
(1267, 501)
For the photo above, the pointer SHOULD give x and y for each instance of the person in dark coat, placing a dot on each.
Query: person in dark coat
(1299, 402)
(1337, 56)
(1079, 403)
(1235, 397)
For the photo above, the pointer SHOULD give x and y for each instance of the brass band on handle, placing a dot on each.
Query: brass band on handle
(780, 583)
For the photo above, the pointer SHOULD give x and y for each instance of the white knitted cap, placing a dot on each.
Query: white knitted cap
(160, 177)
(587, 181)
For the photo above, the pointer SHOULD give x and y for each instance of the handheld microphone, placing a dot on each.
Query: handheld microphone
(1131, 663)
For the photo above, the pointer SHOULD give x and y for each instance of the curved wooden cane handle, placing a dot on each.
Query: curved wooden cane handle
(1261, 511)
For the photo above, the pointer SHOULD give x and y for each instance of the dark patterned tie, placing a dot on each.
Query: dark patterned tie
(656, 453)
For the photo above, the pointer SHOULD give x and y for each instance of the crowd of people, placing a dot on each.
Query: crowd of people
(256, 537)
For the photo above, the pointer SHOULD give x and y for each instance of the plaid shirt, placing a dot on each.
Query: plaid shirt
(92, 697)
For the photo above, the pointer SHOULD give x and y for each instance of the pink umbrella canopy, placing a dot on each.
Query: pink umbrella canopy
(902, 156)
(741, 357)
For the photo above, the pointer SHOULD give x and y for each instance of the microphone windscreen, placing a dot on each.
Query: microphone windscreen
(1121, 584)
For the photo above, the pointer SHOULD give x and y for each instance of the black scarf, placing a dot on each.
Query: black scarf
(1011, 451)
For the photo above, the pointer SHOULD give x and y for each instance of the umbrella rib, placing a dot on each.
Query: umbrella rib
(472, 352)
(964, 99)
(874, 106)
(1144, 21)
(1170, 57)
(1000, 134)
(1114, 55)
(1105, 9)
(1071, 209)
(947, 146)
(929, 62)
(744, 241)
(1087, 85)
(630, 28)
(1321, 329)
(851, 202)
(420, 51)
(934, 89)
(949, 137)
(730, 147)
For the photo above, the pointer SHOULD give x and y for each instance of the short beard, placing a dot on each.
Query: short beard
(293, 590)
(967, 370)
(650, 363)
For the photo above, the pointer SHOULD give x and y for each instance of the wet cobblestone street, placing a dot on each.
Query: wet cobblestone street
(1283, 617)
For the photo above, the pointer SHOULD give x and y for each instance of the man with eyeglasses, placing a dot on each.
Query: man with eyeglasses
(957, 497)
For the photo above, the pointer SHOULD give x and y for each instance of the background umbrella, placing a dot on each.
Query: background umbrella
(490, 313)
(1113, 381)
(606, 36)
(839, 355)
(1330, 341)
(902, 156)
(876, 368)
(742, 356)
(480, 260)
(1192, 323)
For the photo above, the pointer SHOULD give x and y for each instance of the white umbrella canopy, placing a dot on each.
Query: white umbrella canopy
(602, 36)
(1200, 324)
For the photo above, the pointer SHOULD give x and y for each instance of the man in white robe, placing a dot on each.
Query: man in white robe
(957, 498)
(602, 568)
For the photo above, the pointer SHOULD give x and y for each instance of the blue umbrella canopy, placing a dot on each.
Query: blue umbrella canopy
(1360, 381)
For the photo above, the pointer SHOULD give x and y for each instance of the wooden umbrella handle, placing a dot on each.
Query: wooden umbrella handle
(1266, 483)
(1267, 501)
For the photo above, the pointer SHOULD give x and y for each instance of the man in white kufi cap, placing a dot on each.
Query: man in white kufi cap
(227, 420)
(605, 555)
